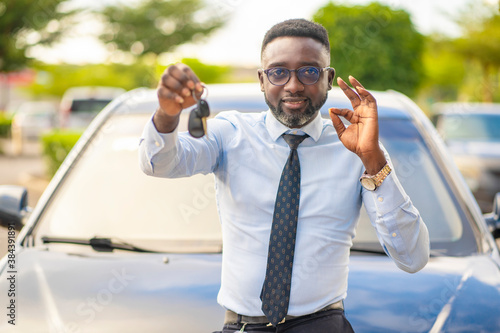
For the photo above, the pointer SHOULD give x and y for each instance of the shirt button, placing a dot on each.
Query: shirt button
(157, 144)
(381, 199)
(394, 234)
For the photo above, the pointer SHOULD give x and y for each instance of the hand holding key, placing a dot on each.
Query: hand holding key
(178, 89)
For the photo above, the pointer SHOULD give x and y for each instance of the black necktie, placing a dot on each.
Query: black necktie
(275, 293)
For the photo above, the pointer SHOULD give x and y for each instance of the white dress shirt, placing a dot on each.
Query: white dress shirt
(247, 153)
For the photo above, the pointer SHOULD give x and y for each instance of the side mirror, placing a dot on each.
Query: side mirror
(493, 218)
(13, 205)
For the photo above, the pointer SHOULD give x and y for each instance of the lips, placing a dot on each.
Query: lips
(294, 102)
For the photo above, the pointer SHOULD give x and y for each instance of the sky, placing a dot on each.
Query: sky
(238, 42)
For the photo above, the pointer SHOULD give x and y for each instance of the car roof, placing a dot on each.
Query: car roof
(94, 92)
(247, 97)
(465, 108)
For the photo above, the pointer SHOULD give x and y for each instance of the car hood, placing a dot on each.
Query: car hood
(115, 292)
(448, 295)
(125, 292)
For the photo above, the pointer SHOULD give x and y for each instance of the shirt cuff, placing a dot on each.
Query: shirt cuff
(153, 143)
(389, 195)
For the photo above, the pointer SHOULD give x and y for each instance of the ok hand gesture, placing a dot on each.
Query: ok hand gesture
(361, 137)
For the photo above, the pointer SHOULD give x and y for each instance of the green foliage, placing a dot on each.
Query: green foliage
(157, 26)
(56, 145)
(374, 43)
(5, 125)
(56, 79)
(25, 23)
(444, 70)
(481, 43)
(208, 73)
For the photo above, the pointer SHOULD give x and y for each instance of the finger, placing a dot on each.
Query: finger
(362, 92)
(351, 94)
(180, 78)
(167, 94)
(337, 122)
(367, 96)
(354, 82)
(171, 83)
(193, 82)
(346, 113)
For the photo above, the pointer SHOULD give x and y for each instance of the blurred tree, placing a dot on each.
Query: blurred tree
(157, 26)
(444, 70)
(481, 42)
(374, 43)
(55, 79)
(25, 23)
(208, 73)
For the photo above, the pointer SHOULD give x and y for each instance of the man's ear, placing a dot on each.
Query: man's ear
(261, 75)
(331, 76)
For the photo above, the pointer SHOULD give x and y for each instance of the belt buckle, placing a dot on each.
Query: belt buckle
(281, 322)
(242, 330)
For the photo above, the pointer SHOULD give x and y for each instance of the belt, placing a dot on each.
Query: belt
(234, 318)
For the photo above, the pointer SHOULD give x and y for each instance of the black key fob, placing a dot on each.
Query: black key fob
(197, 124)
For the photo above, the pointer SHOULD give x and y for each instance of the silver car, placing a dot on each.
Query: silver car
(472, 133)
(109, 249)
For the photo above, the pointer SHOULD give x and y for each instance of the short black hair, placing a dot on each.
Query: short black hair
(297, 28)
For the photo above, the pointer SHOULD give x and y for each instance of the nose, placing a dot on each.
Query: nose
(293, 85)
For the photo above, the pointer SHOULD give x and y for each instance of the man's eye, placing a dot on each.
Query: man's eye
(278, 72)
(310, 71)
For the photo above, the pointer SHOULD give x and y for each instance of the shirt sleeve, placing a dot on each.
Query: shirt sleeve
(173, 155)
(398, 224)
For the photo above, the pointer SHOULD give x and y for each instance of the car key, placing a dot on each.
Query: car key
(197, 123)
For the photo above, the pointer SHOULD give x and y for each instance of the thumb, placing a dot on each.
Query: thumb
(337, 122)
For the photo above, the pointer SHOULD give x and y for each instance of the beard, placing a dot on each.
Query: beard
(298, 119)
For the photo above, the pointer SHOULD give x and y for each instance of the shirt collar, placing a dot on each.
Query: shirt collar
(277, 129)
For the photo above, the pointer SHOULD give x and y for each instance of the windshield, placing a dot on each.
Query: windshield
(483, 127)
(107, 195)
(89, 105)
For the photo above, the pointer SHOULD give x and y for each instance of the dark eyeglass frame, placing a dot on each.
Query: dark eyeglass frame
(297, 72)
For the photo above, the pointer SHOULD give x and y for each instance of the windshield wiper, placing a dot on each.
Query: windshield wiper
(100, 244)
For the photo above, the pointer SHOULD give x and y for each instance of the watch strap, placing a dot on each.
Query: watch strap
(377, 179)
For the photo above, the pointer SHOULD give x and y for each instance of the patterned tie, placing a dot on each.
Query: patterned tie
(275, 293)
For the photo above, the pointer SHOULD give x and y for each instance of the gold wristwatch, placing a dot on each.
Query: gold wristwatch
(371, 183)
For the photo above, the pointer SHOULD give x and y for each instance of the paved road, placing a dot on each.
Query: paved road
(28, 170)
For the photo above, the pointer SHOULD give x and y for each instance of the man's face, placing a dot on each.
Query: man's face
(295, 104)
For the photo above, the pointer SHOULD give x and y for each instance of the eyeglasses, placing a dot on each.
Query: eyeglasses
(307, 75)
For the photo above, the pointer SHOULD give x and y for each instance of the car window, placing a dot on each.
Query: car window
(88, 105)
(107, 195)
(417, 171)
(470, 127)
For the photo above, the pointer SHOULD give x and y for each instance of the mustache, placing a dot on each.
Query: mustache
(300, 95)
(291, 96)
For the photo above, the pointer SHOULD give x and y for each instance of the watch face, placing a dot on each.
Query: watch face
(368, 183)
